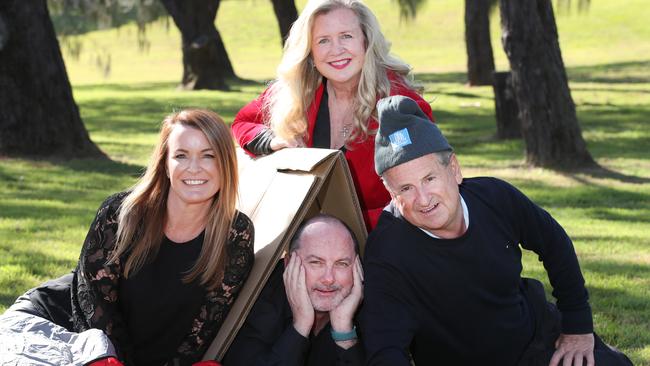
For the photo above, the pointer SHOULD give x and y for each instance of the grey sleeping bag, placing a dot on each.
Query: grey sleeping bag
(36, 330)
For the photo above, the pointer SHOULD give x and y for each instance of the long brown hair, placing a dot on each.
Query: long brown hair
(143, 211)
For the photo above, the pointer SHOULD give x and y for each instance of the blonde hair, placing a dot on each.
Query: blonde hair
(293, 91)
(142, 213)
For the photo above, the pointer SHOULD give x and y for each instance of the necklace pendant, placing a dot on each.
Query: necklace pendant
(345, 131)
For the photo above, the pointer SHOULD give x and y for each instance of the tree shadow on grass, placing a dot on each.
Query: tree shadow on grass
(580, 88)
(44, 192)
(441, 77)
(41, 212)
(104, 167)
(596, 201)
(233, 86)
(140, 114)
(29, 262)
(604, 173)
(35, 261)
(126, 87)
(631, 72)
(613, 268)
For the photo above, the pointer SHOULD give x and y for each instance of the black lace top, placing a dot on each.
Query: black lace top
(95, 288)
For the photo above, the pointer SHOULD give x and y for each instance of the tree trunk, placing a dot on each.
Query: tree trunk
(286, 13)
(549, 123)
(38, 115)
(480, 60)
(206, 64)
(505, 105)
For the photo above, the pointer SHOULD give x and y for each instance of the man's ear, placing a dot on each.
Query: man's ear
(390, 192)
(454, 165)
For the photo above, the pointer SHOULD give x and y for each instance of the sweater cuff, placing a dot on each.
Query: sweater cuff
(577, 321)
(261, 144)
(350, 356)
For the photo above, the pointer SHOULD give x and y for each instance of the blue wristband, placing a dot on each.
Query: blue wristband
(344, 336)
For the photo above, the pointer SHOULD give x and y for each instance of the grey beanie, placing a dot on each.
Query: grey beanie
(405, 133)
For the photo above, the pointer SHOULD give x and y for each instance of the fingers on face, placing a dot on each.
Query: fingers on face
(301, 275)
(292, 270)
(359, 268)
(357, 273)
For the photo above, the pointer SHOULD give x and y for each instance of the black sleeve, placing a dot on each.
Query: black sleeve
(353, 356)
(261, 144)
(541, 233)
(268, 336)
(95, 284)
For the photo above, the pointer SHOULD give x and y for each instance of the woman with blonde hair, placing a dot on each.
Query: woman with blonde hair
(163, 262)
(336, 65)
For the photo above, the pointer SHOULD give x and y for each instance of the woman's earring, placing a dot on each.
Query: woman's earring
(310, 61)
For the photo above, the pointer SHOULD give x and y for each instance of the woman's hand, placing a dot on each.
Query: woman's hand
(278, 143)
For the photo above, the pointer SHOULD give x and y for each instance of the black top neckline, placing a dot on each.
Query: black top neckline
(322, 130)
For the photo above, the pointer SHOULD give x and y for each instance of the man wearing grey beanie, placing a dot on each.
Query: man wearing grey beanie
(442, 268)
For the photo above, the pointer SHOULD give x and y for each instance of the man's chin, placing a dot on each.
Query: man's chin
(325, 306)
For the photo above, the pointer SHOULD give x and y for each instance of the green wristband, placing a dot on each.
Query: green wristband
(344, 336)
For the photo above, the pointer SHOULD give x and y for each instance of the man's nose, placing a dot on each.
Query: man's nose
(421, 196)
(327, 278)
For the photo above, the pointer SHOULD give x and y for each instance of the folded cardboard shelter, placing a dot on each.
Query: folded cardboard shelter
(278, 192)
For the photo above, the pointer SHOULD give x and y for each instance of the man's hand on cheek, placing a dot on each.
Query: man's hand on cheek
(297, 295)
(341, 317)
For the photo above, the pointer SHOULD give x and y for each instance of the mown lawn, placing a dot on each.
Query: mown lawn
(46, 206)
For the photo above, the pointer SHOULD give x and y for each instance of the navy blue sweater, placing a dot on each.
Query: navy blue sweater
(459, 301)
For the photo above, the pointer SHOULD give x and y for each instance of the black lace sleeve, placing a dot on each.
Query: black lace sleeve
(95, 283)
(218, 302)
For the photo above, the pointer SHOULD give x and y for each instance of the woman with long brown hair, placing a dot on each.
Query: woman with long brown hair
(163, 262)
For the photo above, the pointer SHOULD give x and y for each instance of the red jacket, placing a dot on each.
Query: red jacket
(360, 154)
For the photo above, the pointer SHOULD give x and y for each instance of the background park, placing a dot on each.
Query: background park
(125, 80)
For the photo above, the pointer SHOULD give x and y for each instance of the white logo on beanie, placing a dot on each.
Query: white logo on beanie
(399, 139)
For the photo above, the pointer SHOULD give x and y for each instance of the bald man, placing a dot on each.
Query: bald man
(305, 313)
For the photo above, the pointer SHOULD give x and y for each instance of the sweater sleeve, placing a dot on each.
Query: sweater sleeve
(261, 144)
(542, 234)
(250, 121)
(96, 283)
(353, 356)
(387, 320)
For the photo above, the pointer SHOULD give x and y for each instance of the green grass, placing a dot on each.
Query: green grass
(46, 206)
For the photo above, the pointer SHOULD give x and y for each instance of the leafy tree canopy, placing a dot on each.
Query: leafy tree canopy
(72, 17)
